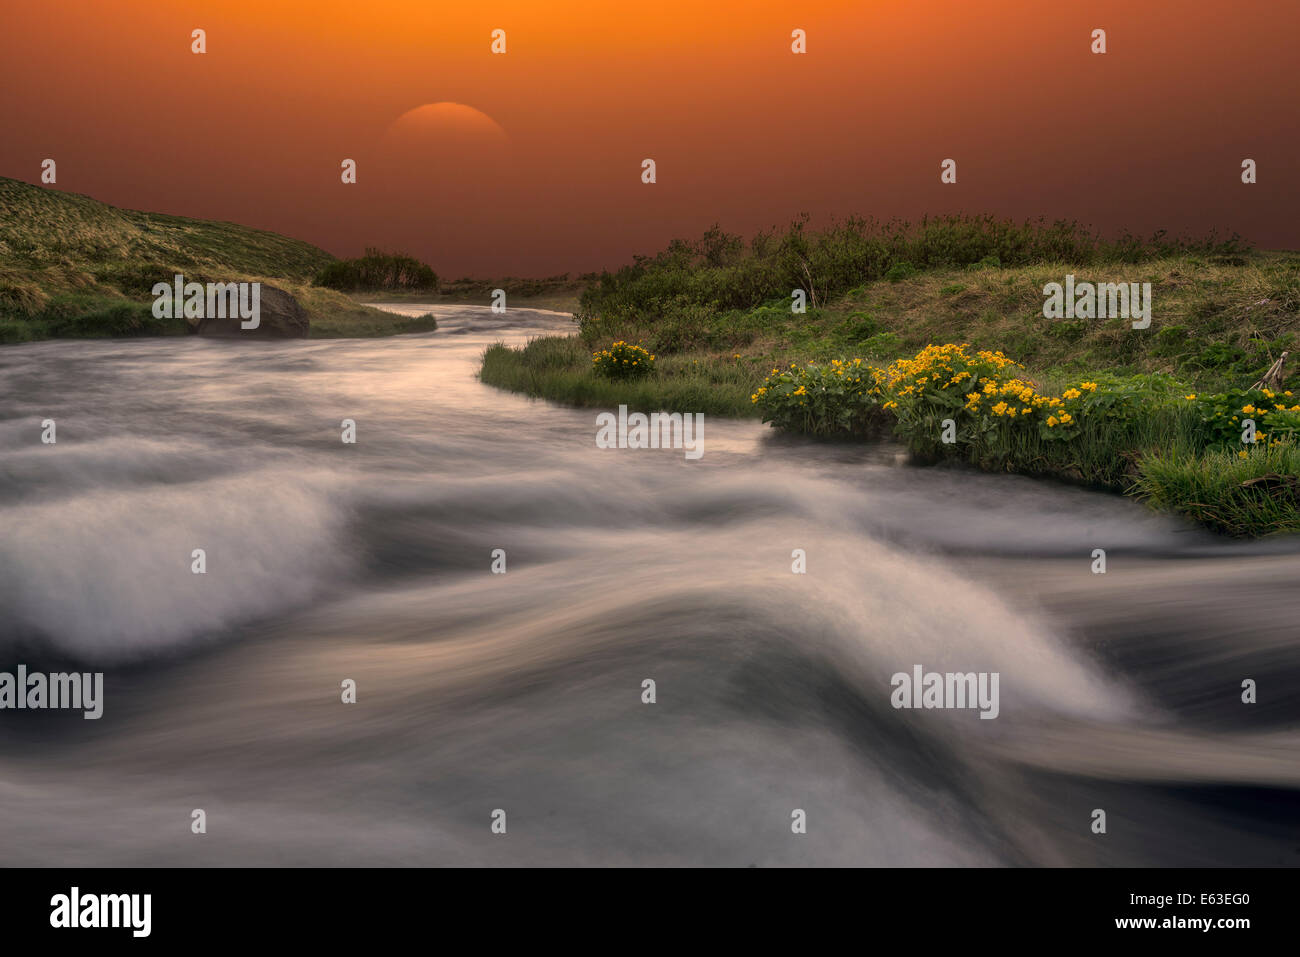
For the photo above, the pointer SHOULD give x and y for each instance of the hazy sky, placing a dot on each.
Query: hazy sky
(744, 132)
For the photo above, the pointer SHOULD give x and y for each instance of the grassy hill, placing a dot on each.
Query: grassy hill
(73, 266)
(717, 311)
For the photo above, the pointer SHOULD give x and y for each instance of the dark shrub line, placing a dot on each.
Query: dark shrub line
(378, 270)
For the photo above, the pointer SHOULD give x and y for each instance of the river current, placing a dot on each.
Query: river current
(526, 692)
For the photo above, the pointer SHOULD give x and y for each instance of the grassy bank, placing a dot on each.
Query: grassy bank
(71, 266)
(555, 293)
(1223, 491)
(717, 316)
(559, 368)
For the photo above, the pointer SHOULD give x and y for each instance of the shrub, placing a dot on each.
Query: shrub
(377, 270)
(721, 272)
(860, 326)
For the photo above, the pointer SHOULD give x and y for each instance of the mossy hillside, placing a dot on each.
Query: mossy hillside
(73, 266)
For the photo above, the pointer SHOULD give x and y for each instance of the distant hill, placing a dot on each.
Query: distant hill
(73, 266)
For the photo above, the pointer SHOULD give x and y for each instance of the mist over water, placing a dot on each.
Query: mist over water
(522, 691)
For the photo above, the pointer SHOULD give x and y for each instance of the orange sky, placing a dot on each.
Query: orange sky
(744, 133)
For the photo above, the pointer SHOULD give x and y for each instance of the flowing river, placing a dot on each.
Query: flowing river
(522, 692)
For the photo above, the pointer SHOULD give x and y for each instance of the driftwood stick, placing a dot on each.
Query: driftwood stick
(1273, 377)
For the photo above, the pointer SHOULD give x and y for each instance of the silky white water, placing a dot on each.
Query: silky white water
(523, 691)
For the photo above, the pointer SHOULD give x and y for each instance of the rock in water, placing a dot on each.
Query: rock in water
(282, 317)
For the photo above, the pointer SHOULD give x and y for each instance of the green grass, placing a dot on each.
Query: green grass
(723, 272)
(1104, 453)
(717, 314)
(1209, 330)
(71, 266)
(1253, 496)
(559, 368)
(884, 290)
(73, 241)
(1215, 324)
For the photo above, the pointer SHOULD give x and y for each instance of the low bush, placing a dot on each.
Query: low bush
(377, 270)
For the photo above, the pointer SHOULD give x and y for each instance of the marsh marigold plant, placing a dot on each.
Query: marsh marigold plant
(985, 394)
(623, 360)
(836, 397)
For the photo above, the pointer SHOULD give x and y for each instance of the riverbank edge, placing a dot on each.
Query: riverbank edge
(332, 316)
(546, 375)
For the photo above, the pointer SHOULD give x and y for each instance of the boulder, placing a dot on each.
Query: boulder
(282, 317)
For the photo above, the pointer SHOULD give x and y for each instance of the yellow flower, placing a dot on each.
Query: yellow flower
(1189, 398)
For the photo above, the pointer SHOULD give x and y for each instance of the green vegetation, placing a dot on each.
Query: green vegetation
(73, 266)
(1126, 433)
(1258, 493)
(556, 293)
(378, 270)
(560, 368)
(717, 315)
(623, 361)
(1222, 313)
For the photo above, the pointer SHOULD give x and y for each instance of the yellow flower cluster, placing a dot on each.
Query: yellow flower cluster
(993, 396)
(622, 359)
(843, 378)
(987, 381)
(941, 367)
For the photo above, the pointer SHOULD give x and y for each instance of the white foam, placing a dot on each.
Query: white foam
(107, 574)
